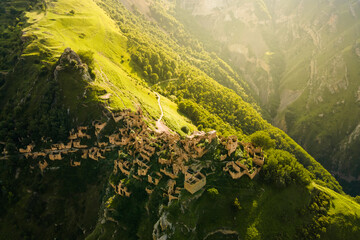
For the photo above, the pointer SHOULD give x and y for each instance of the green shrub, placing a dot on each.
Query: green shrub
(213, 191)
(237, 204)
(252, 233)
(87, 57)
(282, 169)
(262, 139)
(185, 129)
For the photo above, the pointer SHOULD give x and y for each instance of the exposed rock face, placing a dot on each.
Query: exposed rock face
(69, 58)
(162, 227)
(68, 55)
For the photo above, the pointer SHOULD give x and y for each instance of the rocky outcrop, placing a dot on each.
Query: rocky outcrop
(70, 59)
(162, 227)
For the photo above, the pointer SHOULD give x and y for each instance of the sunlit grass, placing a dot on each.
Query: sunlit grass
(91, 29)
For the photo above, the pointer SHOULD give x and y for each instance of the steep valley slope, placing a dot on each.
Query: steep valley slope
(81, 96)
(301, 61)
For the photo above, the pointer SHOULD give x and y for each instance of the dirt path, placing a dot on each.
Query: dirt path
(161, 127)
(162, 113)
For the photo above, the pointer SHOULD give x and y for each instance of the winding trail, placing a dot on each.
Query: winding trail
(161, 127)
(162, 113)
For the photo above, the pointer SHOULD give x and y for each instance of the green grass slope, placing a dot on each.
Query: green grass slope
(90, 29)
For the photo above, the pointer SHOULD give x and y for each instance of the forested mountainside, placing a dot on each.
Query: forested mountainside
(301, 60)
(107, 131)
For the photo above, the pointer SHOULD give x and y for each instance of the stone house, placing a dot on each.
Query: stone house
(122, 190)
(124, 166)
(149, 190)
(154, 178)
(55, 156)
(99, 127)
(164, 161)
(81, 134)
(102, 144)
(113, 138)
(69, 145)
(74, 163)
(94, 153)
(168, 171)
(54, 147)
(28, 149)
(234, 170)
(84, 154)
(77, 144)
(257, 160)
(231, 144)
(72, 135)
(143, 170)
(38, 154)
(43, 165)
(194, 181)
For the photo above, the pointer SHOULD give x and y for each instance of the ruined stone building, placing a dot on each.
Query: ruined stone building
(55, 156)
(122, 190)
(148, 152)
(43, 165)
(194, 181)
(77, 144)
(28, 149)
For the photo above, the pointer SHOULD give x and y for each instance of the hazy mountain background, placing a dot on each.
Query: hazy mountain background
(301, 60)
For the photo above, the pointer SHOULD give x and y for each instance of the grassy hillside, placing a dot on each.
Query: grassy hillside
(90, 29)
(119, 60)
(197, 84)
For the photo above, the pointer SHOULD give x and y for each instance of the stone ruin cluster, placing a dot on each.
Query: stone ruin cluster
(238, 168)
(151, 157)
